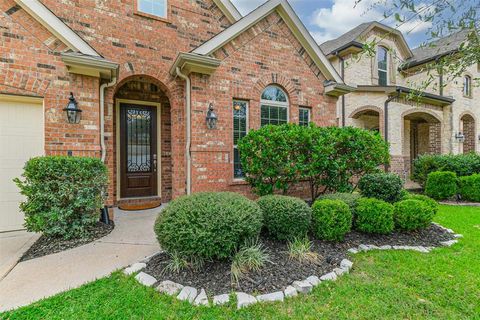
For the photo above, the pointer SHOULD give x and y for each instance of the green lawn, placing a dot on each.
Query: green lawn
(444, 284)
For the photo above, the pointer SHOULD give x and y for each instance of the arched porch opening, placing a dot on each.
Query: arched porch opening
(369, 118)
(467, 127)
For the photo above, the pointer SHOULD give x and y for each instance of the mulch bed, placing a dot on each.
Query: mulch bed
(214, 277)
(49, 245)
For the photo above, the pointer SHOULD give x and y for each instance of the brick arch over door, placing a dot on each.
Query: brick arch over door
(468, 128)
(365, 110)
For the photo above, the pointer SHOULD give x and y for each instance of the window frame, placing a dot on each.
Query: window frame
(247, 127)
(467, 86)
(386, 65)
(309, 112)
(151, 15)
(270, 103)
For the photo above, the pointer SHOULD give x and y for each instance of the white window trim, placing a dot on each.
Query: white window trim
(386, 65)
(285, 105)
(309, 111)
(467, 93)
(247, 128)
(165, 13)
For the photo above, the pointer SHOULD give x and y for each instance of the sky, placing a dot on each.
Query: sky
(328, 19)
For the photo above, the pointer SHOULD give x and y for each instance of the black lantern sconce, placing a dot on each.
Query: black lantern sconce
(460, 137)
(74, 114)
(211, 118)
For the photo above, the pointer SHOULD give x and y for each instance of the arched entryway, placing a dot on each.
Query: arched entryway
(467, 127)
(369, 118)
(143, 139)
(422, 135)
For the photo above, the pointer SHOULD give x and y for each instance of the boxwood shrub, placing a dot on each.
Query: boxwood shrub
(208, 225)
(374, 216)
(412, 214)
(441, 185)
(429, 201)
(469, 188)
(63, 195)
(331, 219)
(349, 198)
(384, 186)
(285, 218)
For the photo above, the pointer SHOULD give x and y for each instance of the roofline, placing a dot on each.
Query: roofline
(296, 26)
(56, 26)
(354, 44)
(392, 30)
(229, 9)
(441, 100)
(416, 63)
(194, 63)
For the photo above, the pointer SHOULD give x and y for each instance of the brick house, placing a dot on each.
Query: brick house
(443, 120)
(145, 74)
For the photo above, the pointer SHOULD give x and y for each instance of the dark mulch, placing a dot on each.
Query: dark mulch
(281, 272)
(49, 245)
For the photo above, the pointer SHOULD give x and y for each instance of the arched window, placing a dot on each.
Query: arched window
(273, 106)
(382, 66)
(467, 86)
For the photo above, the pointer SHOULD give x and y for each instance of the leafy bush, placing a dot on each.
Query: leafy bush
(383, 186)
(441, 185)
(275, 157)
(300, 249)
(413, 214)
(429, 201)
(374, 216)
(349, 198)
(405, 194)
(285, 217)
(462, 164)
(469, 187)
(63, 195)
(331, 219)
(208, 225)
(250, 257)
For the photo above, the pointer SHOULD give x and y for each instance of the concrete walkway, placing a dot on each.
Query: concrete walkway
(132, 240)
(12, 247)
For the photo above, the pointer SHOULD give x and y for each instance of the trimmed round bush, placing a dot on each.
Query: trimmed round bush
(383, 186)
(412, 214)
(469, 187)
(331, 219)
(429, 201)
(349, 198)
(64, 195)
(374, 216)
(208, 225)
(441, 185)
(285, 218)
(405, 194)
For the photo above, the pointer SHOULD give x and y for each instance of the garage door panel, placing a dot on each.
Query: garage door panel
(21, 138)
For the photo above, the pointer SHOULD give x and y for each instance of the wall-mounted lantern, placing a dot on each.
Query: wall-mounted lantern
(74, 114)
(460, 137)
(211, 118)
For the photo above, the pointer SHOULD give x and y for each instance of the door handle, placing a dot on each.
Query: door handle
(155, 162)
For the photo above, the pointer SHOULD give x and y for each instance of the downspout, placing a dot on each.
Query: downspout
(342, 74)
(102, 116)
(189, 129)
(385, 120)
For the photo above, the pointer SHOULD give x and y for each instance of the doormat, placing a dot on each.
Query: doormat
(144, 205)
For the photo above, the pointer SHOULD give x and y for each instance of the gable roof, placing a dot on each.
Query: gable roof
(291, 19)
(57, 27)
(354, 37)
(436, 49)
(229, 10)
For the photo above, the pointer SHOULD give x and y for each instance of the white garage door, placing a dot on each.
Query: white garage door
(21, 137)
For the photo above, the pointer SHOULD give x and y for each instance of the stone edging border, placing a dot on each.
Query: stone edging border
(190, 294)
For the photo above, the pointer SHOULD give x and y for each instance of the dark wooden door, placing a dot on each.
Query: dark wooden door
(138, 150)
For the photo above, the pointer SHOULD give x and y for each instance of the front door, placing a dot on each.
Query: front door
(138, 150)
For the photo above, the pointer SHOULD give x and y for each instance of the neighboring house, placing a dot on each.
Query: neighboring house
(145, 74)
(435, 123)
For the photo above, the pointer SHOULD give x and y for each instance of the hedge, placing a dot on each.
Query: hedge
(413, 214)
(469, 188)
(441, 185)
(374, 216)
(331, 219)
(383, 186)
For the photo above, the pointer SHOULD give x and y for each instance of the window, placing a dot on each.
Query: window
(303, 116)
(467, 86)
(240, 113)
(382, 65)
(154, 7)
(274, 106)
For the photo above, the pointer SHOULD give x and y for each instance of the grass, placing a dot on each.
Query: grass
(444, 284)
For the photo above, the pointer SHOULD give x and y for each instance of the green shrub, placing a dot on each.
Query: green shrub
(374, 216)
(208, 225)
(413, 214)
(349, 198)
(285, 218)
(63, 195)
(462, 164)
(429, 201)
(469, 187)
(405, 194)
(441, 185)
(331, 219)
(383, 186)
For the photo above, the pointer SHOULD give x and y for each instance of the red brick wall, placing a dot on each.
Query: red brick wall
(266, 54)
